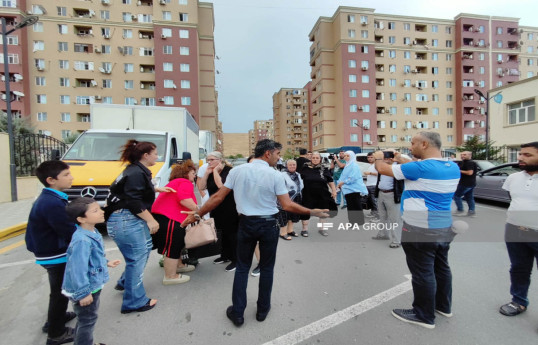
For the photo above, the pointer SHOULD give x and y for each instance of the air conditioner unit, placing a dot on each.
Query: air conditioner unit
(162, 2)
(383, 139)
(471, 29)
(135, 102)
(402, 138)
(134, 17)
(163, 36)
(105, 2)
(364, 68)
(98, 97)
(161, 99)
(106, 37)
(481, 102)
(383, 111)
(97, 50)
(415, 42)
(363, 23)
(360, 108)
(414, 71)
(414, 126)
(40, 68)
(369, 142)
(471, 43)
(471, 96)
(138, 3)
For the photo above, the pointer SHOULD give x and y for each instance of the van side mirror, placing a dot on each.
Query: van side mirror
(55, 155)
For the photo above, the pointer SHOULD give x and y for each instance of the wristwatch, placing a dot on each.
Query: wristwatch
(196, 216)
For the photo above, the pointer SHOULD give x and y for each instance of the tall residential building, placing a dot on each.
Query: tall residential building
(263, 129)
(145, 52)
(290, 117)
(236, 143)
(377, 78)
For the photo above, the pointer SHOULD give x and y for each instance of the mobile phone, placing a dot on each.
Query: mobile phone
(388, 154)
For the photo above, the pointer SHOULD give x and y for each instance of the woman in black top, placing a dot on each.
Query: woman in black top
(318, 181)
(131, 223)
(225, 215)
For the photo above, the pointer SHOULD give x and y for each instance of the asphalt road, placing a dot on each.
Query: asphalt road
(334, 290)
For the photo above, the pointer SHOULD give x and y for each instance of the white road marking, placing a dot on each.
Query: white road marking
(337, 318)
(25, 262)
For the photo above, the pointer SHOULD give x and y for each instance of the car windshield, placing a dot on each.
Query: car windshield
(504, 171)
(107, 146)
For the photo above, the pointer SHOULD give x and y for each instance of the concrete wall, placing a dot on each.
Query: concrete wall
(236, 143)
(27, 187)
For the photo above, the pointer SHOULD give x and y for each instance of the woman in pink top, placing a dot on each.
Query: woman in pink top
(170, 239)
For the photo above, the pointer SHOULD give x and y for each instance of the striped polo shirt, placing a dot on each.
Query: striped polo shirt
(429, 187)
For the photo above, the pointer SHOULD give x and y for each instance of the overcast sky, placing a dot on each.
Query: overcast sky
(263, 44)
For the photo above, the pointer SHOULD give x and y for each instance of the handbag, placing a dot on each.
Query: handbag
(200, 234)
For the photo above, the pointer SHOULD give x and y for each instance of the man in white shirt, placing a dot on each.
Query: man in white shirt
(371, 181)
(521, 231)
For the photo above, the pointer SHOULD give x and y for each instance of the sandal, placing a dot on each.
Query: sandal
(285, 237)
(293, 233)
(512, 309)
(143, 308)
(394, 245)
(304, 233)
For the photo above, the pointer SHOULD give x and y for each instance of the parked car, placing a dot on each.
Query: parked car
(489, 182)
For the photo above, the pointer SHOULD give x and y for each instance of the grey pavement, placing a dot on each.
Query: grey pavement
(13, 213)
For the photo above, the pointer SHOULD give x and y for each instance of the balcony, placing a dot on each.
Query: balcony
(83, 13)
(468, 56)
(468, 69)
(147, 85)
(469, 28)
(83, 31)
(421, 27)
(147, 68)
(380, 82)
(468, 42)
(379, 53)
(144, 34)
(378, 39)
(380, 68)
(421, 56)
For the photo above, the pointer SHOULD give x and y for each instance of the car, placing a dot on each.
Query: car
(237, 161)
(489, 182)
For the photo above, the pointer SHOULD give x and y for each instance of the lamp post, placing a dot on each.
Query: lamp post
(12, 168)
(487, 98)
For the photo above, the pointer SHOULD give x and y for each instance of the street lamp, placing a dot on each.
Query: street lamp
(12, 168)
(487, 98)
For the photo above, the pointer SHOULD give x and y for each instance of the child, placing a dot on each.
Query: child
(86, 271)
(48, 233)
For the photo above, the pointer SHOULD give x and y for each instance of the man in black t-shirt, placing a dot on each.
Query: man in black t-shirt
(466, 185)
(302, 159)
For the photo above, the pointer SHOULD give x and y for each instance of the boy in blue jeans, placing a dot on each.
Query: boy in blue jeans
(86, 272)
(48, 233)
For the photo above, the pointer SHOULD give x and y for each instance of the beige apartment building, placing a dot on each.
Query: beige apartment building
(378, 78)
(263, 129)
(512, 118)
(145, 52)
(290, 117)
(235, 144)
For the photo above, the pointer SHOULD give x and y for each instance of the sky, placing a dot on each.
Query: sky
(262, 45)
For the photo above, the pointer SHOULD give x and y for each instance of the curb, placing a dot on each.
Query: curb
(12, 231)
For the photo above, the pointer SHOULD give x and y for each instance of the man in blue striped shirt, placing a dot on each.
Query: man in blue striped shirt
(430, 184)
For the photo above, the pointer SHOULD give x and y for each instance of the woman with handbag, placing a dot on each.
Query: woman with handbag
(225, 215)
(131, 224)
(170, 239)
(353, 188)
(317, 183)
(295, 185)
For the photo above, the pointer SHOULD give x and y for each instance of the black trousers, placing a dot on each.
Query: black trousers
(354, 208)
(57, 302)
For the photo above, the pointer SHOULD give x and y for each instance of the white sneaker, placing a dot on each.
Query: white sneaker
(185, 269)
(179, 280)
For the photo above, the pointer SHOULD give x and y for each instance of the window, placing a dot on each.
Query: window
(168, 66)
(183, 50)
(65, 99)
(354, 137)
(481, 29)
(350, 18)
(521, 112)
(407, 55)
(448, 84)
(64, 82)
(364, 49)
(499, 83)
(65, 117)
(62, 29)
(450, 124)
(364, 19)
(449, 70)
(392, 54)
(448, 57)
(435, 84)
(407, 40)
(366, 108)
(352, 78)
(435, 70)
(393, 96)
(435, 56)
(392, 39)
(352, 63)
(40, 81)
(392, 82)
(407, 26)
(392, 68)
(39, 45)
(449, 138)
(185, 84)
(62, 11)
(183, 17)
(351, 48)
(128, 84)
(185, 101)
(435, 28)
(62, 46)
(366, 137)
(353, 109)
(38, 27)
(167, 50)
(183, 2)
(167, 15)
(364, 64)
(393, 138)
(168, 100)
(499, 44)
(364, 33)
(166, 32)
(481, 56)
(499, 30)
(41, 117)
(83, 118)
(365, 93)
(130, 101)
(105, 14)
(184, 67)
(365, 79)
(127, 33)
(449, 111)
(449, 98)
(144, 51)
(128, 67)
(530, 49)
(183, 33)
(41, 99)
(351, 33)
(530, 37)
(353, 93)
(407, 111)
(393, 111)
(107, 83)
(127, 17)
(435, 111)
(392, 25)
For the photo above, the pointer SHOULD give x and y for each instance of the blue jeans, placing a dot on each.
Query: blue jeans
(86, 319)
(427, 259)
(131, 234)
(251, 231)
(522, 249)
(464, 192)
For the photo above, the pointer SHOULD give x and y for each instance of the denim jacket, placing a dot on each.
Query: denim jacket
(86, 268)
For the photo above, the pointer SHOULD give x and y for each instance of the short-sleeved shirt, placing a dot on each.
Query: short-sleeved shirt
(337, 170)
(300, 162)
(468, 180)
(523, 189)
(429, 187)
(256, 186)
(169, 204)
(201, 170)
(371, 180)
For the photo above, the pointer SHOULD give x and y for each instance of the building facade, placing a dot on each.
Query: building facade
(236, 144)
(263, 129)
(377, 79)
(145, 52)
(291, 122)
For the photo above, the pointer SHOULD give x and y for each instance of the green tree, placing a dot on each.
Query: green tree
(20, 126)
(288, 155)
(478, 148)
(71, 139)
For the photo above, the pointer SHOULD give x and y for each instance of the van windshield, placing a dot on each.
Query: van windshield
(107, 146)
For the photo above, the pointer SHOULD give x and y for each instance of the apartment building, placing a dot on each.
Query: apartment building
(290, 118)
(263, 129)
(145, 52)
(377, 78)
(235, 144)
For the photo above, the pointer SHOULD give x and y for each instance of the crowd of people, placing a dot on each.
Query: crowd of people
(254, 205)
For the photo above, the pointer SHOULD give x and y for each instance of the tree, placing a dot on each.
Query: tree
(288, 155)
(20, 126)
(478, 149)
(71, 138)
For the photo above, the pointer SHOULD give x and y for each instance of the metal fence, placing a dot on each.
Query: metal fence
(33, 149)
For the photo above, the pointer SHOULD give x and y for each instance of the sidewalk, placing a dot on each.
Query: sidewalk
(14, 213)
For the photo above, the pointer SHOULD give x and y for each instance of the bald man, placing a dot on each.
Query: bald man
(468, 169)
